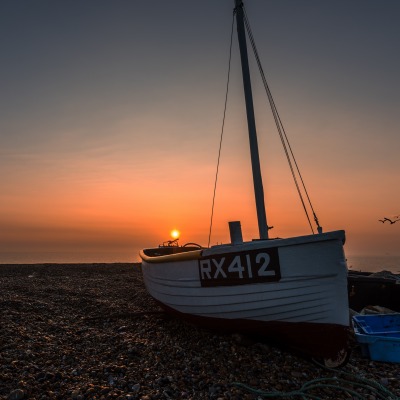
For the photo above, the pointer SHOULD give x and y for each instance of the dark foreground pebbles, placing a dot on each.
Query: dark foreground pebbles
(90, 331)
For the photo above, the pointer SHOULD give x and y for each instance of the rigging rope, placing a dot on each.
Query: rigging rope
(279, 125)
(282, 133)
(222, 132)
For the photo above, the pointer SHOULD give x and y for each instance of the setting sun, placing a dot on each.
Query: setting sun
(175, 234)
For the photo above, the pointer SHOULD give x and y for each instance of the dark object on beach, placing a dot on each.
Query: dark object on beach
(369, 289)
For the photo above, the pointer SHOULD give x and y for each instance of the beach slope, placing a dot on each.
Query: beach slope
(90, 331)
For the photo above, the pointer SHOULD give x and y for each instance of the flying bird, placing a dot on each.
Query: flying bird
(390, 220)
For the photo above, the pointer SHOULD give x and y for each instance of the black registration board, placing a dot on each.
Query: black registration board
(240, 268)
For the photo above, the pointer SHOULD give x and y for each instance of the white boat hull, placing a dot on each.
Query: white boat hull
(259, 287)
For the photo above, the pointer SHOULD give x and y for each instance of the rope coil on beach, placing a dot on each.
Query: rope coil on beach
(347, 385)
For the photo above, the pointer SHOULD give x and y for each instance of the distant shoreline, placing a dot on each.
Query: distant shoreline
(357, 263)
(70, 263)
(85, 266)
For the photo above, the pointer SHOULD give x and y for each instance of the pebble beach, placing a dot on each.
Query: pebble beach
(91, 331)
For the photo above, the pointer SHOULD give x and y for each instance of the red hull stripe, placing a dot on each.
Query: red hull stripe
(312, 339)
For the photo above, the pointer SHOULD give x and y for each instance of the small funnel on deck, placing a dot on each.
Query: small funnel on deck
(235, 231)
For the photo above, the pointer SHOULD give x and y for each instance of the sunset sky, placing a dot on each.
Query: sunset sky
(111, 116)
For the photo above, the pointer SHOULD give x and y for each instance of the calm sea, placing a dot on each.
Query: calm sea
(359, 263)
(67, 257)
(374, 263)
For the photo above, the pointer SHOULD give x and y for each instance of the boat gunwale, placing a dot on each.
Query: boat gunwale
(245, 246)
(184, 256)
(278, 242)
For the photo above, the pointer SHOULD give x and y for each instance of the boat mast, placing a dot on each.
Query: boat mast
(255, 159)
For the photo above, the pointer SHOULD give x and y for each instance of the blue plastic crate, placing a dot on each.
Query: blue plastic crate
(379, 347)
(378, 324)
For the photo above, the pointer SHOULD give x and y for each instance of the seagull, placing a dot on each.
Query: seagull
(391, 221)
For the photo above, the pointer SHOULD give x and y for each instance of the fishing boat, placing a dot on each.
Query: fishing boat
(289, 290)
